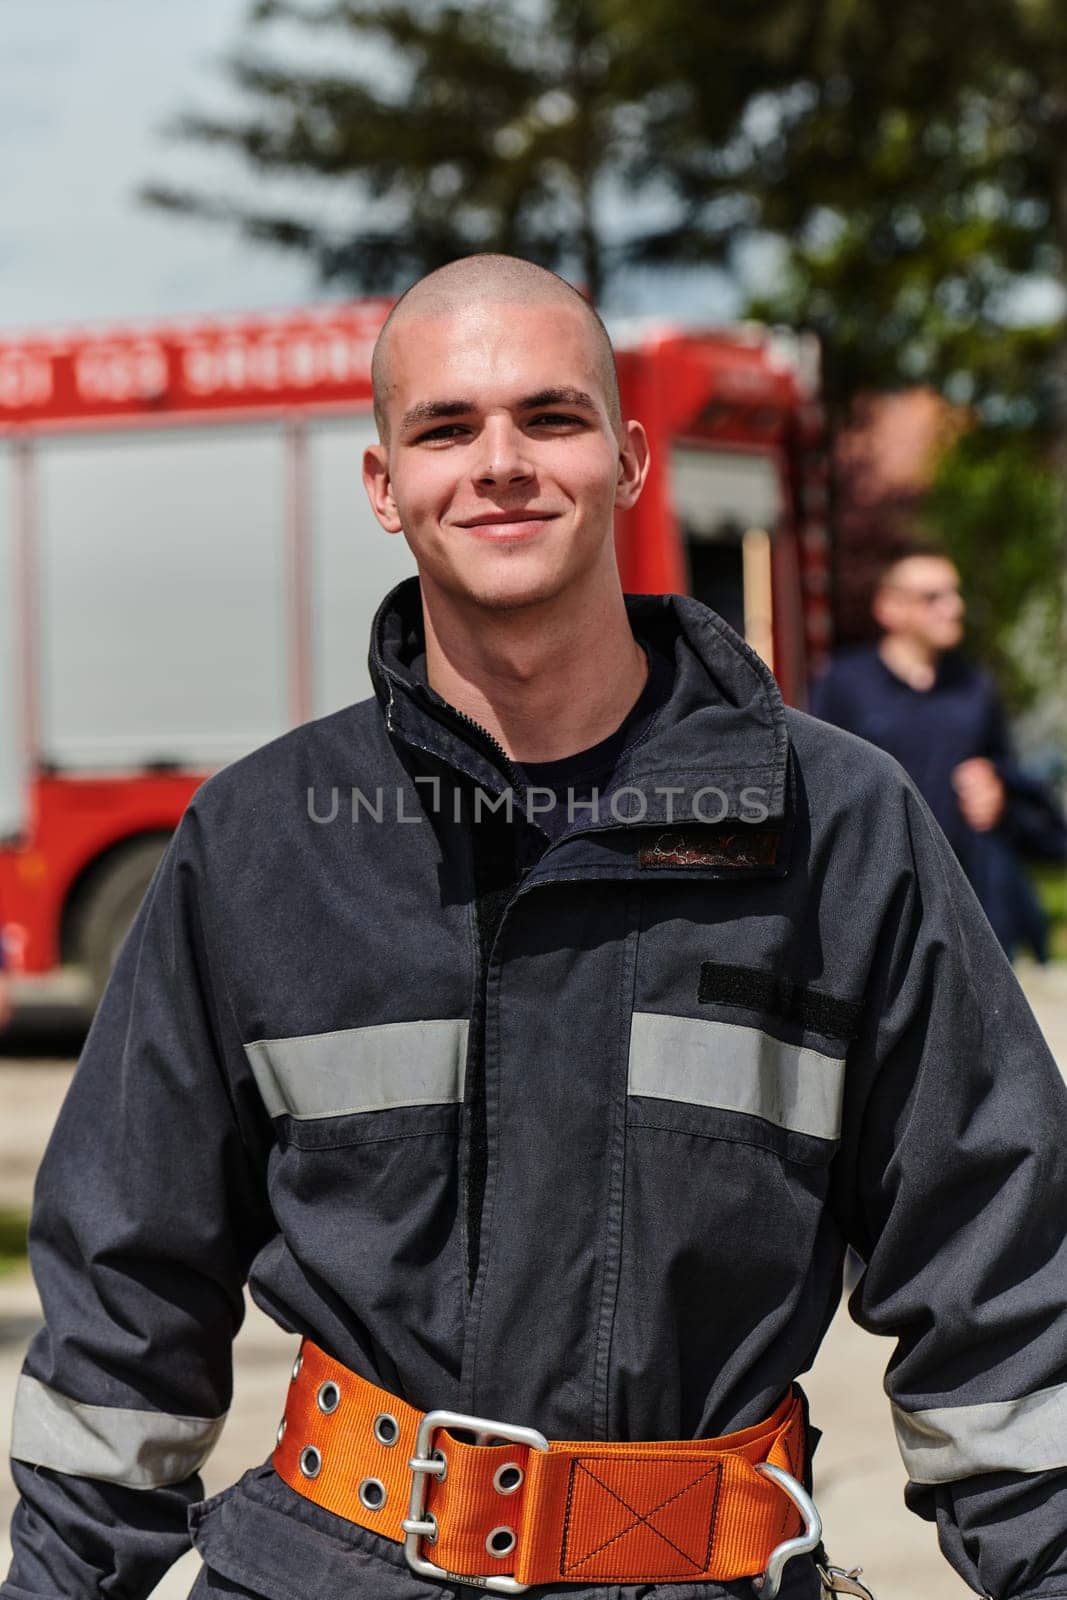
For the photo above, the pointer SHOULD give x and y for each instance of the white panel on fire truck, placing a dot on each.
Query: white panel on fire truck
(12, 764)
(354, 562)
(162, 595)
(720, 493)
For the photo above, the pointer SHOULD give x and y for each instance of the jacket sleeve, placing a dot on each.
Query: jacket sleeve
(953, 1186)
(148, 1208)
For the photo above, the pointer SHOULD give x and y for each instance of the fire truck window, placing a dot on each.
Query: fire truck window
(717, 494)
(163, 599)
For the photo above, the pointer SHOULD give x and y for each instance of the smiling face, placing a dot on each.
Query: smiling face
(503, 466)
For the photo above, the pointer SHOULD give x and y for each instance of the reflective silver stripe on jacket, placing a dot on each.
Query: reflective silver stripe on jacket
(362, 1069)
(141, 1449)
(735, 1068)
(950, 1442)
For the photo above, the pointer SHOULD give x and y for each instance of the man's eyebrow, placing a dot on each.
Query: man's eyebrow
(558, 397)
(431, 410)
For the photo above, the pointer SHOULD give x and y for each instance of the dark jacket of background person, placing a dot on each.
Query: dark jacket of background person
(664, 1076)
(930, 732)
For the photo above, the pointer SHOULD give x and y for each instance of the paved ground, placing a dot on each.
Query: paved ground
(859, 1479)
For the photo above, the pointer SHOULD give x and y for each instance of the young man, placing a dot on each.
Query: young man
(561, 1128)
(913, 695)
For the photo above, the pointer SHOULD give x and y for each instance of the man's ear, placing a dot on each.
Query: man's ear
(882, 609)
(634, 458)
(379, 486)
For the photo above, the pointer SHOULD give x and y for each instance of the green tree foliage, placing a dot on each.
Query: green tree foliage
(584, 134)
(482, 135)
(502, 125)
(996, 507)
(916, 181)
(908, 161)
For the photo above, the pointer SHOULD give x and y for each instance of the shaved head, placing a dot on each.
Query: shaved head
(489, 280)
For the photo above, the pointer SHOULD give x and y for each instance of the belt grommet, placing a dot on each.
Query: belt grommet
(501, 1541)
(310, 1461)
(386, 1428)
(281, 1431)
(297, 1364)
(372, 1494)
(508, 1478)
(328, 1397)
(439, 1455)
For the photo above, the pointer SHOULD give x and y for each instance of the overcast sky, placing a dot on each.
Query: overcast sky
(85, 88)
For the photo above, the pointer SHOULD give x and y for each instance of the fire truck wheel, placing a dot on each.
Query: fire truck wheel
(110, 903)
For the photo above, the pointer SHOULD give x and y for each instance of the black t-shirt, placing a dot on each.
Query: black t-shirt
(572, 778)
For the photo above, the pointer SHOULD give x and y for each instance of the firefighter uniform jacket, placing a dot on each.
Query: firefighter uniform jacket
(573, 1138)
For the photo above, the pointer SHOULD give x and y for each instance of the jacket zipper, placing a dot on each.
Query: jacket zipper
(505, 762)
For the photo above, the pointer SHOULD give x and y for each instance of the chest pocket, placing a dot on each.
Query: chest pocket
(734, 1081)
(764, 1064)
(363, 1181)
(362, 1084)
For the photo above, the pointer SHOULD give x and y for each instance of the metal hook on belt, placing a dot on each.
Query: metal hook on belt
(769, 1582)
(835, 1580)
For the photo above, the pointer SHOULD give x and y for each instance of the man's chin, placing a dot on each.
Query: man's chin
(507, 590)
(516, 597)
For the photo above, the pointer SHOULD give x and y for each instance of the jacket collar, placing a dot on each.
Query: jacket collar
(723, 730)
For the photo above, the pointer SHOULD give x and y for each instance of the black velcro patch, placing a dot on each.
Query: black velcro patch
(761, 991)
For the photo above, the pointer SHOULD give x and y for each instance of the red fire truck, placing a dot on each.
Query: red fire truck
(188, 565)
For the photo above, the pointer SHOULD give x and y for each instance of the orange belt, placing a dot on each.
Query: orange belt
(528, 1510)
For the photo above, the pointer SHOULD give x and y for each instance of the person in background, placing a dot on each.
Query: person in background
(917, 698)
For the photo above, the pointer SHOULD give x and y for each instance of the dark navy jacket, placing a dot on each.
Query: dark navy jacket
(578, 1144)
(930, 732)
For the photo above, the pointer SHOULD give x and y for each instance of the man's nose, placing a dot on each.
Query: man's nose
(503, 456)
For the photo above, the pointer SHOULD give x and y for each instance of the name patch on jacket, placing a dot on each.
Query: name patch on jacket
(681, 847)
(724, 984)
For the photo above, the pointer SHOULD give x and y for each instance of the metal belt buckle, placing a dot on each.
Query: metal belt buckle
(419, 1525)
(769, 1582)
